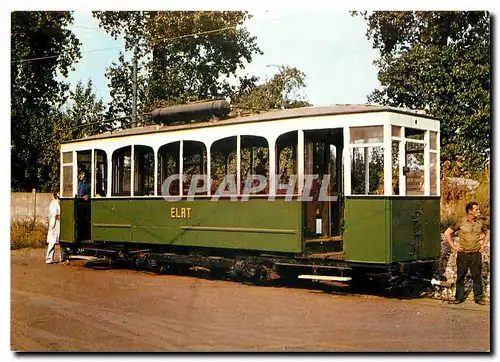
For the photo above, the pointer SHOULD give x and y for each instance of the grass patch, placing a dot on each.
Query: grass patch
(26, 234)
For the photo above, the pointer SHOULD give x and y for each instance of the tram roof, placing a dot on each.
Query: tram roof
(261, 117)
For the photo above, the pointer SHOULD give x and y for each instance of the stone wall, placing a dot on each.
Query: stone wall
(22, 206)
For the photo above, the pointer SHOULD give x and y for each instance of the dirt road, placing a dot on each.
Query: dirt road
(75, 308)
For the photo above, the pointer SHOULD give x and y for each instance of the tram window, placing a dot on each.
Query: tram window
(194, 163)
(395, 167)
(222, 161)
(396, 131)
(334, 184)
(286, 159)
(144, 165)
(415, 163)
(414, 134)
(369, 134)
(67, 157)
(367, 171)
(101, 173)
(433, 140)
(85, 181)
(168, 165)
(121, 162)
(433, 168)
(67, 181)
(254, 161)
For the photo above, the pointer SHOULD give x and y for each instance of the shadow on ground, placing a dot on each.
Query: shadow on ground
(411, 290)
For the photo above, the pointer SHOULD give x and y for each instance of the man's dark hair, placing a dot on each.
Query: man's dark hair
(469, 206)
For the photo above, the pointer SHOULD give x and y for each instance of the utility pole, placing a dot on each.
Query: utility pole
(134, 88)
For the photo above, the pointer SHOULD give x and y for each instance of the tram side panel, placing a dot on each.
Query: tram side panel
(384, 230)
(415, 224)
(67, 220)
(367, 231)
(256, 224)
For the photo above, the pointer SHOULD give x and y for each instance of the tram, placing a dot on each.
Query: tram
(338, 192)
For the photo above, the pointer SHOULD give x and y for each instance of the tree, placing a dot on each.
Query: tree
(69, 123)
(41, 47)
(120, 84)
(282, 91)
(178, 66)
(85, 108)
(438, 61)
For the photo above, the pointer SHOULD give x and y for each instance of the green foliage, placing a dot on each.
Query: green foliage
(178, 67)
(282, 91)
(438, 61)
(85, 108)
(119, 75)
(35, 91)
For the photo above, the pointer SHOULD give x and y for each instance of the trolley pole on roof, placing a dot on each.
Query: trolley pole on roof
(134, 88)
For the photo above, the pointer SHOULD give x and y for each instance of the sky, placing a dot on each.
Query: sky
(328, 45)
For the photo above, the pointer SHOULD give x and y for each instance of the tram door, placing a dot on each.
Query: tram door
(82, 204)
(323, 157)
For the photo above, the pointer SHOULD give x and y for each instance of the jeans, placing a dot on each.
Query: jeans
(464, 262)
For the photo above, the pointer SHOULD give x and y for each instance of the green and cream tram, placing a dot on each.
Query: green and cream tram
(380, 215)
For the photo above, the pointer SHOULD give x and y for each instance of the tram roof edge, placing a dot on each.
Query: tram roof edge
(270, 115)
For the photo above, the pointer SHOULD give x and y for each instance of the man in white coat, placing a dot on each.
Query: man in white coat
(54, 228)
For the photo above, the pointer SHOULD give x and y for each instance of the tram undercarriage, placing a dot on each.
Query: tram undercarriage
(257, 267)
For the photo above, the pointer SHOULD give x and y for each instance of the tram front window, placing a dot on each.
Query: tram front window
(415, 164)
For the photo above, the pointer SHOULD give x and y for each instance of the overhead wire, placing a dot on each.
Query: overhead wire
(55, 56)
(166, 39)
(146, 115)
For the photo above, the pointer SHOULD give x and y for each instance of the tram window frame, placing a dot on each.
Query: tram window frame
(168, 159)
(84, 165)
(228, 159)
(118, 187)
(100, 175)
(396, 166)
(367, 134)
(366, 137)
(250, 147)
(67, 188)
(433, 170)
(67, 174)
(425, 144)
(413, 151)
(199, 165)
(380, 190)
(143, 171)
(286, 148)
(67, 160)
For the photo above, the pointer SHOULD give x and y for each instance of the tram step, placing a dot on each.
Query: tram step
(325, 277)
(336, 255)
(325, 240)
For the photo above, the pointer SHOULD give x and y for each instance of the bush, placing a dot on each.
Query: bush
(454, 197)
(26, 234)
